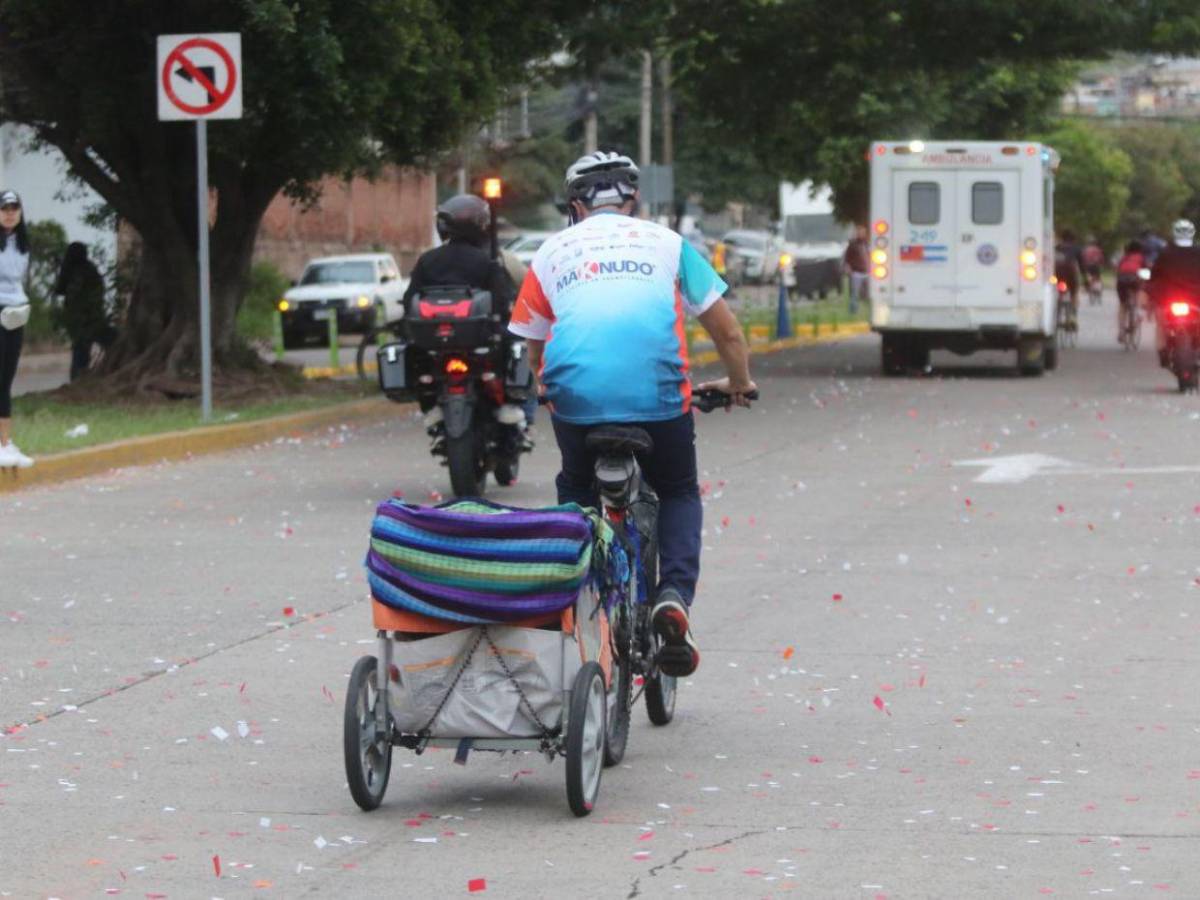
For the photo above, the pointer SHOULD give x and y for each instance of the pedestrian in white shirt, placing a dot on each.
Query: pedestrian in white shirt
(14, 313)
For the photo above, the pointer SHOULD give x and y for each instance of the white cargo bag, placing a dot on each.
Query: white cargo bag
(485, 702)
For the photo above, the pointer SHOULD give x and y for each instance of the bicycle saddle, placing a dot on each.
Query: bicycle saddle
(619, 439)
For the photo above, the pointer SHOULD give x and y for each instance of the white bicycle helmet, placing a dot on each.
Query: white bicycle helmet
(1183, 232)
(601, 179)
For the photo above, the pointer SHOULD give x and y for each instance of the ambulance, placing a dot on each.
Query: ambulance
(962, 250)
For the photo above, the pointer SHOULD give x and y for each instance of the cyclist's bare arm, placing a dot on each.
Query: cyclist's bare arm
(535, 349)
(722, 326)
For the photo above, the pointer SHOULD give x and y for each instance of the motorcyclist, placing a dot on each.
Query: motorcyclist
(603, 310)
(1176, 271)
(464, 225)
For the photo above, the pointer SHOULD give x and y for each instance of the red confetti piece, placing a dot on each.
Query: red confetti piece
(789, 652)
(646, 836)
(1061, 508)
(475, 885)
(880, 705)
(921, 683)
(217, 866)
(815, 760)
(289, 611)
(724, 521)
(967, 501)
(837, 598)
(887, 687)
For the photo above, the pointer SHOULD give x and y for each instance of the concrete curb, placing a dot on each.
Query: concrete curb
(174, 445)
(835, 333)
(218, 438)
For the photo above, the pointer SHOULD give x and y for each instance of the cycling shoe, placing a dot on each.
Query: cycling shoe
(679, 655)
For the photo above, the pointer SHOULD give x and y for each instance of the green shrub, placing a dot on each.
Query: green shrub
(266, 286)
(47, 244)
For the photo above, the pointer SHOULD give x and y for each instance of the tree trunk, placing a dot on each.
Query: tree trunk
(159, 346)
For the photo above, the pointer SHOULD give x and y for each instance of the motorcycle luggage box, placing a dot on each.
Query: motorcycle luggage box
(450, 317)
(518, 378)
(393, 378)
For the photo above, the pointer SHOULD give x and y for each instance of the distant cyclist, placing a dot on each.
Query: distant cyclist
(603, 311)
(1091, 260)
(1067, 265)
(1129, 281)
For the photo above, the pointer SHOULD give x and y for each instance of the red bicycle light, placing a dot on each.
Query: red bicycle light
(1062, 287)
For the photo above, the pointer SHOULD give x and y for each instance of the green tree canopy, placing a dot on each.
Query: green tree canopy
(1092, 187)
(330, 86)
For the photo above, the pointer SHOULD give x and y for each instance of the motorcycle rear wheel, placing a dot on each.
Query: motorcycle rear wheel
(467, 472)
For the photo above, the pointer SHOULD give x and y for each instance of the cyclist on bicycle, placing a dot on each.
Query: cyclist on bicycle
(602, 309)
(1129, 282)
(1067, 265)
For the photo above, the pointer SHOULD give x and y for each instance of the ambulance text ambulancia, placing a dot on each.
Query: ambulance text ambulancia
(962, 250)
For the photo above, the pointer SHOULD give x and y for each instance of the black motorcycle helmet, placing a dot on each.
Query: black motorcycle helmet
(465, 217)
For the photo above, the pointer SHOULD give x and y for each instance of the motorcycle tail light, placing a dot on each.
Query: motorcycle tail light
(1181, 310)
(455, 366)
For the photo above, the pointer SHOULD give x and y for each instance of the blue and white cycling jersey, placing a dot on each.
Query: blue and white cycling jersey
(609, 297)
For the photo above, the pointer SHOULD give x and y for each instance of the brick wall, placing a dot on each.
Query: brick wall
(394, 213)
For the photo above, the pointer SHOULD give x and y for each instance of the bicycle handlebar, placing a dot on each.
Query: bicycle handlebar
(705, 401)
(712, 398)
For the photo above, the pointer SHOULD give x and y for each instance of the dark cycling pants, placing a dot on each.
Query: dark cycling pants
(10, 355)
(671, 471)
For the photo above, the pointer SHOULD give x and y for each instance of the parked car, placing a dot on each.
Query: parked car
(753, 256)
(355, 288)
(526, 244)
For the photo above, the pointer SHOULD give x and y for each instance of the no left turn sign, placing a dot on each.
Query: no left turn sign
(199, 76)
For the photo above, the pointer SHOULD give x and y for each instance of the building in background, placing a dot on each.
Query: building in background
(1146, 87)
(394, 213)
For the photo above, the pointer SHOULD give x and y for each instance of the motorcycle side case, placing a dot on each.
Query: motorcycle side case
(457, 412)
(518, 377)
(391, 360)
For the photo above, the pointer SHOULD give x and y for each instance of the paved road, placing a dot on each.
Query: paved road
(915, 683)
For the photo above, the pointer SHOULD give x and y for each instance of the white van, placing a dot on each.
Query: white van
(962, 254)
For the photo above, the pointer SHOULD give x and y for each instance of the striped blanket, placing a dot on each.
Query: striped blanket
(477, 562)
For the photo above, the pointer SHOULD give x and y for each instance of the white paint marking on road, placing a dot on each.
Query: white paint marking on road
(1014, 469)
(1021, 467)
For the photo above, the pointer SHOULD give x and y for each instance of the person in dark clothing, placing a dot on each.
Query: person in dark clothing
(1067, 265)
(856, 262)
(464, 224)
(83, 315)
(1176, 271)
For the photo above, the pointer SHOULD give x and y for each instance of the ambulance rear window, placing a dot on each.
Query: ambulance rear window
(924, 203)
(987, 203)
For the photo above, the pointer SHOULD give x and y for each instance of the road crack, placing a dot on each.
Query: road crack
(678, 857)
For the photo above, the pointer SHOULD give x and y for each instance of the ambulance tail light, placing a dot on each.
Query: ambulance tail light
(881, 227)
(880, 272)
(879, 257)
(1029, 270)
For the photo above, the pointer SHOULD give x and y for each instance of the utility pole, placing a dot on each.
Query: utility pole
(645, 126)
(525, 113)
(668, 127)
(591, 138)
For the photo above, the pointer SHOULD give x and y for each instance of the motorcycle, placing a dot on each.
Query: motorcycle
(470, 378)
(1180, 321)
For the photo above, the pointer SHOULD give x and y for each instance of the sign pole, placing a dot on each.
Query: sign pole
(205, 300)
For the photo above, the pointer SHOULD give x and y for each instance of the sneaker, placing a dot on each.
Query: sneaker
(12, 457)
(679, 655)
